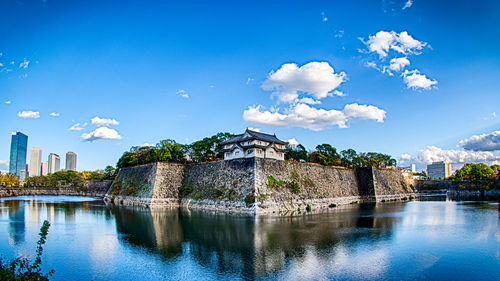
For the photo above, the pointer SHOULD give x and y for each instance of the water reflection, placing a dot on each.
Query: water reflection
(253, 247)
(415, 240)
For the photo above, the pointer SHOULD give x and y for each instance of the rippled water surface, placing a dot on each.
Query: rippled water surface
(392, 241)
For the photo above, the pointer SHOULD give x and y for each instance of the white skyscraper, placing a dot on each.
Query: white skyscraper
(35, 166)
(54, 163)
(70, 161)
(45, 168)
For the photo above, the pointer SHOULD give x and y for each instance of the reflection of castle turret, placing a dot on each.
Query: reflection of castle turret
(17, 228)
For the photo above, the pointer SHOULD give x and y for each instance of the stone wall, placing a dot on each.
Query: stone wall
(254, 186)
(90, 188)
(220, 185)
(298, 185)
(147, 185)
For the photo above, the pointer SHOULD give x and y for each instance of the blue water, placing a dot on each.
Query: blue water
(440, 240)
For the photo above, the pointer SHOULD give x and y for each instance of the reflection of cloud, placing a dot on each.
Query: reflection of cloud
(357, 263)
(103, 249)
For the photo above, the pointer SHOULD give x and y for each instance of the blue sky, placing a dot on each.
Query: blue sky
(316, 71)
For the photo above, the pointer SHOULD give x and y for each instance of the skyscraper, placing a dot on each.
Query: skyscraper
(45, 168)
(70, 161)
(54, 163)
(18, 151)
(35, 167)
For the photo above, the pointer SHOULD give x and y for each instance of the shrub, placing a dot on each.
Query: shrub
(332, 205)
(308, 208)
(185, 190)
(22, 269)
(197, 196)
(250, 199)
(293, 186)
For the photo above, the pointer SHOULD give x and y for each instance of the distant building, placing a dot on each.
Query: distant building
(22, 175)
(70, 161)
(439, 170)
(254, 144)
(413, 168)
(45, 168)
(54, 163)
(35, 167)
(18, 151)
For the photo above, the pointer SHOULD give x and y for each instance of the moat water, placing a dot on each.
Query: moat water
(440, 240)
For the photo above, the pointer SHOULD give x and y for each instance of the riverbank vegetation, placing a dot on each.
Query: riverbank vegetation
(23, 268)
(210, 149)
(69, 178)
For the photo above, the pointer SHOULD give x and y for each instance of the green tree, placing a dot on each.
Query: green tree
(474, 172)
(170, 151)
(208, 149)
(349, 158)
(331, 157)
(8, 180)
(296, 153)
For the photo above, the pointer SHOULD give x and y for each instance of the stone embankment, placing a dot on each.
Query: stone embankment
(254, 186)
(97, 188)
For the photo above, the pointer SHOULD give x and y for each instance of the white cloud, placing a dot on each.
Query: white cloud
(293, 142)
(415, 80)
(339, 34)
(323, 17)
(212, 86)
(405, 157)
(8, 102)
(254, 129)
(148, 144)
(305, 116)
(77, 127)
(54, 114)
(29, 114)
(24, 64)
(398, 64)
(317, 79)
(249, 80)
(371, 64)
(408, 4)
(101, 133)
(483, 142)
(182, 93)
(383, 41)
(103, 121)
(434, 154)
(309, 101)
(364, 112)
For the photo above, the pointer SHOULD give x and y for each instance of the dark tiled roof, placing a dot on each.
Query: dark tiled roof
(254, 135)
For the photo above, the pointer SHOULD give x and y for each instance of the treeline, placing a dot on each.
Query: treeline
(207, 149)
(327, 155)
(210, 149)
(73, 178)
(477, 172)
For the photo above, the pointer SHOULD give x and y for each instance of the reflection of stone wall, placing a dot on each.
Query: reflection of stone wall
(89, 188)
(243, 186)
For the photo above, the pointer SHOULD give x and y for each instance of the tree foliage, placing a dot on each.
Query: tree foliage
(8, 180)
(298, 153)
(474, 172)
(166, 151)
(208, 149)
(22, 268)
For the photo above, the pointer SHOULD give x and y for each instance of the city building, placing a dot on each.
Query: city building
(35, 166)
(70, 161)
(439, 170)
(54, 163)
(22, 175)
(254, 144)
(45, 168)
(18, 151)
(413, 168)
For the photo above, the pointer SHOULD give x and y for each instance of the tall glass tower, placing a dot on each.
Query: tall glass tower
(18, 151)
